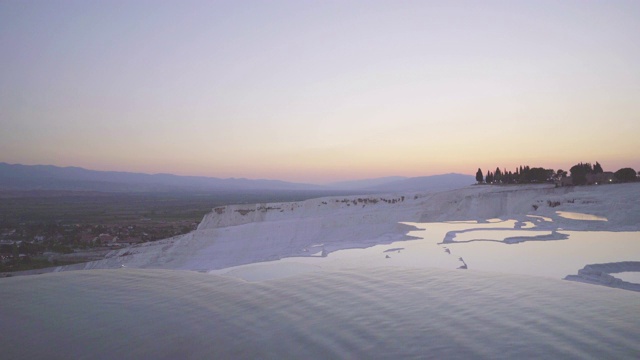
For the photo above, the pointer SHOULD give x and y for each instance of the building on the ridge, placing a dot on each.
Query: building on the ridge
(565, 181)
(600, 178)
(606, 177)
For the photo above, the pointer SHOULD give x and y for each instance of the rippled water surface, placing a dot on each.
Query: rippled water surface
(367, 313)
(463, 289)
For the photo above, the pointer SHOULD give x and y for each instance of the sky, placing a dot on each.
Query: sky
(319, 91)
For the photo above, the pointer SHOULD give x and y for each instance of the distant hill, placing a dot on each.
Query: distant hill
(404, 184)
(365, 183)
(48, 177)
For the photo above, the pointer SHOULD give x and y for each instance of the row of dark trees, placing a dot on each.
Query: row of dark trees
(579, 172)
(626, 175)
(521, 175)
(528, 175)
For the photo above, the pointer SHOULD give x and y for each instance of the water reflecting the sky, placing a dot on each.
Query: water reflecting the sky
(503, 246)
(629, 276)
(580, 216)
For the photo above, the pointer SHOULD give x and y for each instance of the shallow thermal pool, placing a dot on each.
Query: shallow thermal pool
(580, 216)
(386, 301)
(377, 313)
(502, 246)
(629, 276)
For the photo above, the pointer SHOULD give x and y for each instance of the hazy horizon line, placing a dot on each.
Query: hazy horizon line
(343, 180)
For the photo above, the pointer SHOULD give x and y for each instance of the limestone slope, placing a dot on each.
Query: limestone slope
(241, 234)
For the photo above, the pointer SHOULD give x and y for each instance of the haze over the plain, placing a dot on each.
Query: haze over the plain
(319, 91)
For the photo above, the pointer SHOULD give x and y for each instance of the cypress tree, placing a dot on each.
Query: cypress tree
(479, 176)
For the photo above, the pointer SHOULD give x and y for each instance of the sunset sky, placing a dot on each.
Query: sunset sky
(319, 91)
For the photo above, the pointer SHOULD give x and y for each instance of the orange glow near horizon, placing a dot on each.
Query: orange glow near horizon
(322, 93)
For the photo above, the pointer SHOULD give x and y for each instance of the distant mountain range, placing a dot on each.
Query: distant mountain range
(48, 177)
(365, 183)
(422, 183)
